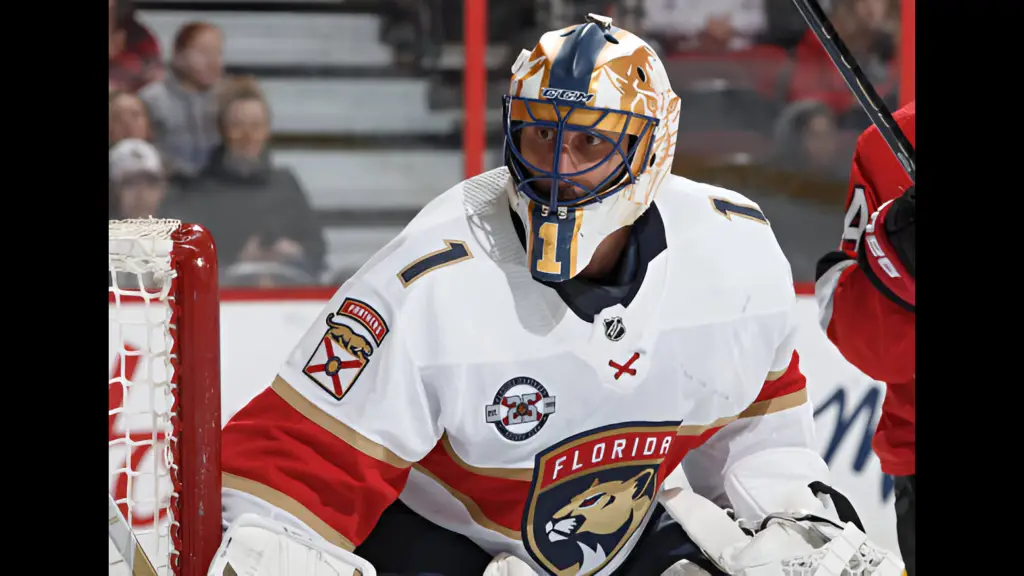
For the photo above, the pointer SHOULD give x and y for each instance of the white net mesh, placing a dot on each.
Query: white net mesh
(142, 388)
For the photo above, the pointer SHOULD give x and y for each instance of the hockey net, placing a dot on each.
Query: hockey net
(164, 392)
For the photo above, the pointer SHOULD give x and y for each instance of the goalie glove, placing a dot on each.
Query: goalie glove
(900, 228)
(257, 546)
(791, 543)
(888, 251)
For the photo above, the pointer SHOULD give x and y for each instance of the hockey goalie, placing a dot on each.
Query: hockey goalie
(504, 388)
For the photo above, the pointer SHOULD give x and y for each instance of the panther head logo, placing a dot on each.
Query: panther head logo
(592, 493)
(600, 518)
(347, 339)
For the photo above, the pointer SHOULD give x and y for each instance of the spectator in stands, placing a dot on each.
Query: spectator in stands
(138, 189)
(133, 50)
(258, 213)
(184, 104)
(869, 29)
(806, 142)
(129, 118)
(138, 181)
(705, 25)
(785, 26)
(881, 16)
(404, 27)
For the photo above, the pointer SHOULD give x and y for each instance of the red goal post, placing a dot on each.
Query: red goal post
(164, 391)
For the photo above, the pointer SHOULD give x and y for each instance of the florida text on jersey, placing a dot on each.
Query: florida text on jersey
(444, 374)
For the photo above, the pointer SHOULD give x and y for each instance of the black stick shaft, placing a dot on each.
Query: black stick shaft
(858, 83)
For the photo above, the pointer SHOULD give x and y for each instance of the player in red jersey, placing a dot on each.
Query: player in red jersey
(866, 295)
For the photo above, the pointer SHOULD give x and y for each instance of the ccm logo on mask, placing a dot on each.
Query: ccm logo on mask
(567, 95)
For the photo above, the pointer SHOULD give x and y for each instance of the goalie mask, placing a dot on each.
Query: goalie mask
(590, 132)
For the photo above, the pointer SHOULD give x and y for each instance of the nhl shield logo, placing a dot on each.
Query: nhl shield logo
(614, 329)
(591, 493)
(520, 408)
(343, 353)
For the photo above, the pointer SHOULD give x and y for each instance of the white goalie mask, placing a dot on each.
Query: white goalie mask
(607, 83)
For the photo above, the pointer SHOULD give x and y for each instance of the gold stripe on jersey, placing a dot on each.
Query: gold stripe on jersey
(316, 415)
(523, 474)
(574, 242)
(289, 505)
(471, 506)
(775, 375)
(772, 405)
(791, 400)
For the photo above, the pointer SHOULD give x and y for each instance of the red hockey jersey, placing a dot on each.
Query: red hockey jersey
(874, 330)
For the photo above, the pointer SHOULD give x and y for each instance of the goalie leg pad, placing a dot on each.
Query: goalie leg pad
(787, 544)
(710, 527)
(257, 546)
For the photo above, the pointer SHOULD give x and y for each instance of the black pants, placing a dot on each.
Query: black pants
(405, 544)
(905, 515)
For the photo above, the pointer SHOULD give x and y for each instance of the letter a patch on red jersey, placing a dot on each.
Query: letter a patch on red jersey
(345, 349)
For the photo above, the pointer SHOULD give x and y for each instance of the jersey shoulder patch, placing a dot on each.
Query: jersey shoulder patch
(351, 336)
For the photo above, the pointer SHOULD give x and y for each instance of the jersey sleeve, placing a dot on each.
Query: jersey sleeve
(779, 417)
(872, 327)
(329, 444)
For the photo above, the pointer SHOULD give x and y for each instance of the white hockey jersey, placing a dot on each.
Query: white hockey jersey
(444, 374)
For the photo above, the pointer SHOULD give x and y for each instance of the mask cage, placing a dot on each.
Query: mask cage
(590, 121)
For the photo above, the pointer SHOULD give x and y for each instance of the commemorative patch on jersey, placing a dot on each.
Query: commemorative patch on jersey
(591, 492)
(345, 349)
(520, 408)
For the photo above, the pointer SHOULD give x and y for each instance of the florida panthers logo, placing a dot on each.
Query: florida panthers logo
(343, 353)
(592, 493)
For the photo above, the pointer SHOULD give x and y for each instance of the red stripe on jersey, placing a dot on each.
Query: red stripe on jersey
(787, 387)
(683, 443)
(270, 442)
(792, 380)
(493, 501)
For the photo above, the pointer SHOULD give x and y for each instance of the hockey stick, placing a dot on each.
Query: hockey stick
(126, 543)
(858, 83)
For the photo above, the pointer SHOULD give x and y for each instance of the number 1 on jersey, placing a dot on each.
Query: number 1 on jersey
(454, 251)
(548, 263)
(730, 209)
